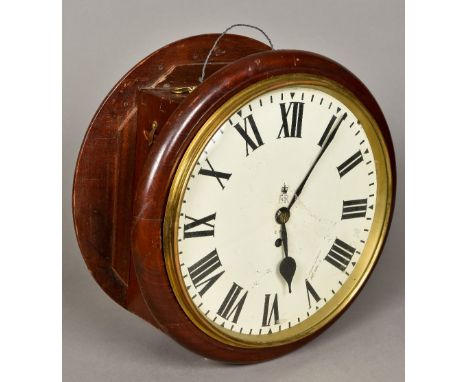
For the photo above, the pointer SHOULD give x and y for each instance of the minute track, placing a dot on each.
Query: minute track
(238, 296)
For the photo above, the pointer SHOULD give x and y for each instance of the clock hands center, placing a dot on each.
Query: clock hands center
(325, 145)
(288, 264)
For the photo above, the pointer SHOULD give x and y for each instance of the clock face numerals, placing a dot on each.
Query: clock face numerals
(291, 126)
(252, 140)
(350, 163)
(220, 176)
(354, 209)
(229, 244)
(270, 310)
(232, 304)
(333, 121)
(340, 255)
(199, 227)
(311, 292)
(205, 272)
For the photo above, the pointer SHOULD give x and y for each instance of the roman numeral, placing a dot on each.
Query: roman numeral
(350, 163)
(252, 142)
(340, 254)
(202, 271)
(329, 126)
(215, 174)
(206, 221)
(311, 292)
(232, 303)
(293, 129)
(354, 209)
(270, 311)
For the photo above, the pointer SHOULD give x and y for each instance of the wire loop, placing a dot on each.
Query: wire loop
(219, 38)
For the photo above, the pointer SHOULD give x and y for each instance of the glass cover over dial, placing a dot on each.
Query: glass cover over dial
(275, 214)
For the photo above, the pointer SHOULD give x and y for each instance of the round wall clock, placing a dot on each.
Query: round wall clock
(243, 214)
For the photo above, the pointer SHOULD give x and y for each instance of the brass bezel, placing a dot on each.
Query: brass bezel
(368, 256)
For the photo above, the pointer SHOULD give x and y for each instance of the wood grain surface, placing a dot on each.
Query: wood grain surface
(161, 164)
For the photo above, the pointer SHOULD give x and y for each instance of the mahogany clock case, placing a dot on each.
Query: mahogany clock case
(113, 153)
(119, 222)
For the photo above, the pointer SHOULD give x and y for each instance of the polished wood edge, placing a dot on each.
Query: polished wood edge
(163, 159)
(102, 200)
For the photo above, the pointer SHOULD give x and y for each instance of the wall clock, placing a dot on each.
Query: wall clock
(243, 214)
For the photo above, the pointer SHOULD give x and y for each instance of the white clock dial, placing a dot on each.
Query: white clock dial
(229, 243)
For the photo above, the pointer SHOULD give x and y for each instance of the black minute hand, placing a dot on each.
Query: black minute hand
(325, 145)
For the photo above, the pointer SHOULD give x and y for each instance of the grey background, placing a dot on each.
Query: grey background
(101, 41)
